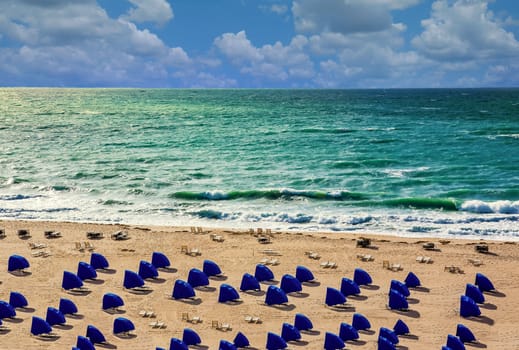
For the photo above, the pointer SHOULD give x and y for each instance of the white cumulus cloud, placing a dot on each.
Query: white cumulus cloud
(157, 11)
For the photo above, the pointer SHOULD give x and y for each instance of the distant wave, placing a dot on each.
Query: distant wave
(482, 207)
(17, 197)
(269, 194)
(418, 203)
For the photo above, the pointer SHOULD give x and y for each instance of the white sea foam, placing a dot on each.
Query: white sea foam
(482, 207)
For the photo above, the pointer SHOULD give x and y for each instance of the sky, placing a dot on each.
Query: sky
(260, 43)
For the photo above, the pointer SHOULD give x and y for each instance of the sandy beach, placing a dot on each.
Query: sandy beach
(434, 310)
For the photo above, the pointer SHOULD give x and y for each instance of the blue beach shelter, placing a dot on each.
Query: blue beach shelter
(177, 344)
(397, 300)
(71, 281)
(290, 332)
(17, 262)
(455, 343)
(275, 296)
(67, 307)
(360, 322)
(333, 342)
(263, 273)
(290, 284)
(211, 268)
(275, 342)
(389, 334)
(475, 293)
(445, 347)
(85, 271)
(484, 283)
(226, 345)
(54, 316)
(465, 334)
(95, 335)
(303, 274)
(302, 322)
(83, 343)
(385, 344)
(249, 282)
(334, 297)
(182, 290)
(361, 277)
(227, 293)
(132, 280)
(190, 337)
(468, 307)
(98, 261)
(349, 287)
(400, 287)
(147, 270)
(197, 278)
(160, 260)
(40, 326)
(18, 300)
(122, 325)
(401, 328)
(348, 332)
(111, 301)
(6, 310)
(241, 341)
(412, 281)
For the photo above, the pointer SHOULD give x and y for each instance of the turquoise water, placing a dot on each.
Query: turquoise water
(404, 162)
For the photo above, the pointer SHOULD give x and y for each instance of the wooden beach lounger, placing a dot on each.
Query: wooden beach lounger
(194, 319)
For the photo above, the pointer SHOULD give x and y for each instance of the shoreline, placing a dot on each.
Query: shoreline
(431, 319)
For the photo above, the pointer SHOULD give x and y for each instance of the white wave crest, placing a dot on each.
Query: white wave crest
(481, 207)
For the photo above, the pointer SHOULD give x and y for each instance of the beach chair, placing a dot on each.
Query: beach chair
(120, 236)
(252, 319)
(2, 233)
(481, 248)
(52, 234)
(365, 257)
(79, 246)
(146, 313)
(193, 229)
(37, 253)
(264, 261)
(363, 242)
(216, 238)
(329, 265)
(157, 324)
(200, 230)
(391, 266)
(194, 319)
(428, 246)
(259, 231)
(274, 262)
(263, 240)
(89, 246)
(94, 235)
(33, 245)
(268, 232)
(475, 262)
(24, 234)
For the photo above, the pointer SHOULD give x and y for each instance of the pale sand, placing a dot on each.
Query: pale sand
(433, 314)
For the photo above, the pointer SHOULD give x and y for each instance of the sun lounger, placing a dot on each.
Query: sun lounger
(481, 248)
(263, 240)
(252, 319)
(274, 262)
(37, 245)
(329, 265)
(363, 242)
(94, 235)
(365, 257)
(79, 246)
(47, 336)
(390, 266)
(120, 236)
(146, 313)
(475, 262)
(453, 269)
(157, 324)
(216, 238)
(24, 234)
(194, 319)
(37, 253)
(2, 233)
(428, 246)
(89, 246)
(52, 234)
(424, 259)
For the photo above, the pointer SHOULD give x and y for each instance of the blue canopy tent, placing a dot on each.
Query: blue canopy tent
(132, 280)
(401, 328)
(160, 260)
(275, 342)
(303, 274)
(263, 273)
(465, 334)
(348, 332)
(333, 342)
(6, 310)
(211, 268)
(455, 343)
(241, 341)
(445, 347)
(468, 307)
(122, 325)
(95, 335)
(17, 299)
(302, 322)
(67, 306)
(197, 278)
(361, 277)
(98, 261)
(389, 334)
(349, 287)
(249, 282)
(475, 293)
(147, 270)
(227, 293)
(190, 337)
(334, 297)
(54, 316)
(83, 343)
(385, 344)
(40, 326)
(290, 284)
(412, 281)
(226, 345)
(182, 290)
(111, 300)
(177, 344)
(400, 287)
(85, 271)
(17, 262)
(397, 300)
(484, 283)
(275, 295)
(360, 322)
(71, 281)
(290, 332)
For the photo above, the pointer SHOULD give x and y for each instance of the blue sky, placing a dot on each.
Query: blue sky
(259, 44)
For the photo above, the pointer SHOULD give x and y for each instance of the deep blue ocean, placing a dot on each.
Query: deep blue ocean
(402, 162)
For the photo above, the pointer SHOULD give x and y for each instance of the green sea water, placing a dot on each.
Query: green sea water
(405, 162)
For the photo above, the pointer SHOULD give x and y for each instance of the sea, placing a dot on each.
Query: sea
(418, 162)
